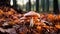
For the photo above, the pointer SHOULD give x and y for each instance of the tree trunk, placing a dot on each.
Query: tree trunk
(15, 4)
(37, 5)
(56, 9)
(29, 5)
(47, 5)
(43, 5)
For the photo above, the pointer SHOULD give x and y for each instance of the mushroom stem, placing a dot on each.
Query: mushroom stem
(31, 22)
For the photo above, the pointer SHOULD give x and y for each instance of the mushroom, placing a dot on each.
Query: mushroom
(31, 15)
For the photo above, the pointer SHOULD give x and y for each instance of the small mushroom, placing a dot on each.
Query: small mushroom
(32, 14)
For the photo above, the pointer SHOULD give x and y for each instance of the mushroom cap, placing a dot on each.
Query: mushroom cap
(23, 18)
(32, 14)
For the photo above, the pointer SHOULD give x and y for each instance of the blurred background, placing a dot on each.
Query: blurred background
(49, 6)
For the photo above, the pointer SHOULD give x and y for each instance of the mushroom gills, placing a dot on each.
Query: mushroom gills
(31, 22)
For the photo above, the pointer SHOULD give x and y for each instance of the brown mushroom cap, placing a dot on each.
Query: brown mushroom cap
(31, 14)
